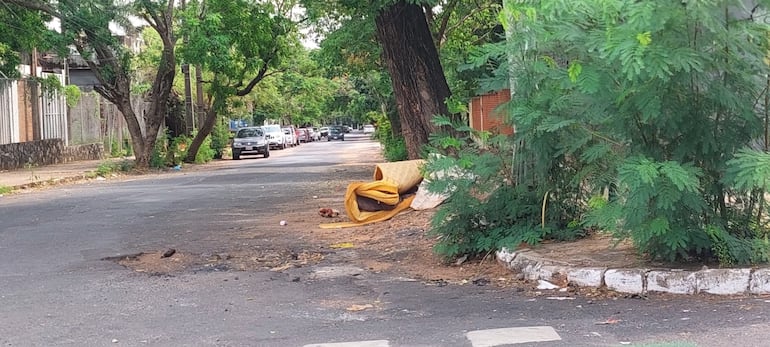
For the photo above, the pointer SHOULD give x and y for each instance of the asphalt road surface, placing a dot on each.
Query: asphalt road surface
(57, 289)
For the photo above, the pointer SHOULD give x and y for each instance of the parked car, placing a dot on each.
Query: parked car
(324, 131)
(275, 136)
(250, 140)
(304, 135)
(289, 136)
(368, 129)
(297, 135)
(316, 134)
(312, 135)
(336, 133)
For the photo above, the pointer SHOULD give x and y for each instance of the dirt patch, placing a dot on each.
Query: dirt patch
(154, 263)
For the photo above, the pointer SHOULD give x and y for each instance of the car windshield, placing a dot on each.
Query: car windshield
(272, 128)
(335, 130)
(249, 132)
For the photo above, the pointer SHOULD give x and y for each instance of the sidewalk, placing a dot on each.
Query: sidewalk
(41, 175)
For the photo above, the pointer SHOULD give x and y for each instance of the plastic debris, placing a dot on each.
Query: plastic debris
(168, 253)
(343, 245)
(283, 223)
(546, 285)
(356, 308)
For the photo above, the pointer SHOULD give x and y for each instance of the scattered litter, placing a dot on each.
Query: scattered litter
(685, 311)
(315, 196)
(579, 306)
(609, 321)
(356, 308)
(625, 342)
(168, 253)
(114, 340)
(343, 245)
(282, 267)
(283, 223)
(546, 285)
(560, 298)
(685, 318)
(178, 168)
(328, 212)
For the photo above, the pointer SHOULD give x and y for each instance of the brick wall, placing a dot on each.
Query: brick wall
(485, 114)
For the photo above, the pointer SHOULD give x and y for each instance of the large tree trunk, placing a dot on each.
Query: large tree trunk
(204, 130)
(418, 79)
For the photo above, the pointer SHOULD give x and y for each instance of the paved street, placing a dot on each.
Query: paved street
(58, 286)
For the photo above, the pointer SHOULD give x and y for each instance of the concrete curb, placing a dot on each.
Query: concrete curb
(638, 281)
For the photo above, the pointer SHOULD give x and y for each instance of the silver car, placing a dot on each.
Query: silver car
(250, 140)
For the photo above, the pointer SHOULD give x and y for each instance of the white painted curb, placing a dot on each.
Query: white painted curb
(638, 281)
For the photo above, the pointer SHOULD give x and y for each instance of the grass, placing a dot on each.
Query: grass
(109, 167)
(5, 190)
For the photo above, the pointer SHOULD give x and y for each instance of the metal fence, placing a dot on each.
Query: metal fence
(53, 123)
(9, 111)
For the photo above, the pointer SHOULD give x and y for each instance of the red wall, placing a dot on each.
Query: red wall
(484, 114)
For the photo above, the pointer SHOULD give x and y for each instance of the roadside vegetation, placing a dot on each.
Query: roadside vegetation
(647, 120)
(643, 119)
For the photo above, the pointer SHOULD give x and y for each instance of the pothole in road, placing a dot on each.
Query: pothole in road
(154, 263)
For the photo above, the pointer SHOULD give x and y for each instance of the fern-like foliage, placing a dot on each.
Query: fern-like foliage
(631, 116)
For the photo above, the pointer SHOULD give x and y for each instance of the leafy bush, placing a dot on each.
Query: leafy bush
(650, 105)
(393, 146)
(220, 138)
(159, 155)
(487, 210)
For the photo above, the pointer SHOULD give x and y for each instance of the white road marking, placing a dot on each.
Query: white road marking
(374, 343)
(509, 336)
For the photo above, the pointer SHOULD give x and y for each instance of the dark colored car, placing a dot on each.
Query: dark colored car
(250, 140)
(336, 133)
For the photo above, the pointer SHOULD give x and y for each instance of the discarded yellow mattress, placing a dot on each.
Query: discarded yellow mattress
(389, 191)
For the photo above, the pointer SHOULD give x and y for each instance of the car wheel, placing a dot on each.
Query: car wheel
(236, 154)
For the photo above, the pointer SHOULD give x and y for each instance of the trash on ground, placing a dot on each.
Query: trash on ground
(282, 267)
(343, 245)
(609, 321)
(283, 223)
(461, 260)
(328, 212)
(168, 253)
(356, 308)
(392, 191)
(541, 284)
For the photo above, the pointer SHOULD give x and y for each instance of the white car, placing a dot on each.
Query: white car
(275, 136)
(289, 136)
(368, 129)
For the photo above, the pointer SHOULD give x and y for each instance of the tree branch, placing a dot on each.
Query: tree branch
(35, 5)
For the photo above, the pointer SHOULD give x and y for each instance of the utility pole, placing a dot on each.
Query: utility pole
(188, 105)
(34, 88)
(199, 91)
